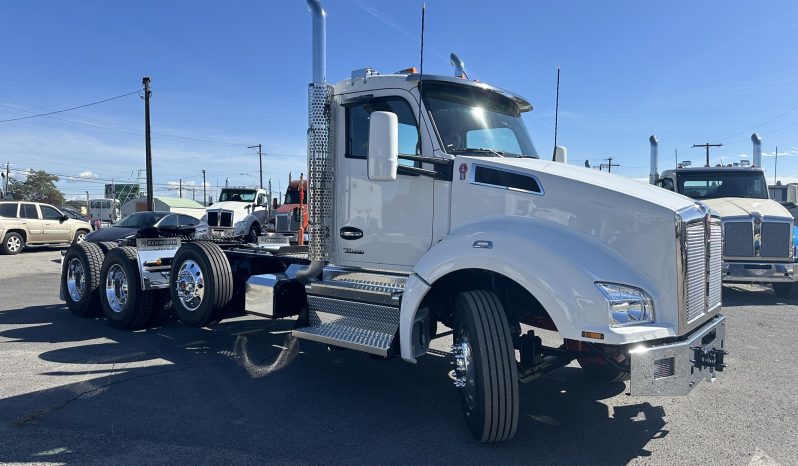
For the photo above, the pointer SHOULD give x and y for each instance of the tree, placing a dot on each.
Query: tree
(39, 186)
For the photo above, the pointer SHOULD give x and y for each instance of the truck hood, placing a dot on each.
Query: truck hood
(229, 205)
(602, 180)
(742, 206)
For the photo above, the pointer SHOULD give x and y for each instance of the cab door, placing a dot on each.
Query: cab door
(54, 229)
(388, 223)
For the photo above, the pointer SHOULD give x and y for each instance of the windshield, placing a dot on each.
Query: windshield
(713, 184)
(141, 220)
(476, 121)
(239, 195)
(292, 197)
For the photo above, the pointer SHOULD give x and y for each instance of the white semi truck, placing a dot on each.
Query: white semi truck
(430, 209)
(240, 211)
(758, 232)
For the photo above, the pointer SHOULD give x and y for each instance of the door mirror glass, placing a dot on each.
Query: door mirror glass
(383, 158)
(792, 194)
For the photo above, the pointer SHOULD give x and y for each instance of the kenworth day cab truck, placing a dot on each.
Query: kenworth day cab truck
(239, 211)
(290, 217)
(471, 230)
(757, 231)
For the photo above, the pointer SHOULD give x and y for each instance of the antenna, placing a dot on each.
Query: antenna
(420, 75)
(556, 111)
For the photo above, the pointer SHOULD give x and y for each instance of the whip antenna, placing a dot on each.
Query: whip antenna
(556, 112)
(420, 74)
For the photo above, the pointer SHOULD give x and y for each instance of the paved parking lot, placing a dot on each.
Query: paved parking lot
(76, 390)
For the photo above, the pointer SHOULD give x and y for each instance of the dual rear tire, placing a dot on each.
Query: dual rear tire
(202, 283)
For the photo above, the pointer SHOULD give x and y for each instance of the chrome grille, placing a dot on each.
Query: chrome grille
(715, 265)
(775, 239)
(695, 281)
(738, 238)
(213, 219)
(226, 219)
(282, 222)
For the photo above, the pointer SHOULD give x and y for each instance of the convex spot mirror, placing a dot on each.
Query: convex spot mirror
(792, 194)
(561, 154)
(383, 158)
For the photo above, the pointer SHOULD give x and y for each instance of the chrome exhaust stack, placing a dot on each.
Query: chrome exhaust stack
(756, 157)
(320, 146)
(653, 175)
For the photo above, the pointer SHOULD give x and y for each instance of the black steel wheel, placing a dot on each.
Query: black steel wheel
(201, 283)
(486, 371)
(80, 278)
(124, 303)
(254, 232)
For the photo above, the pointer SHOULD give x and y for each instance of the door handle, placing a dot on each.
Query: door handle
(351, 233)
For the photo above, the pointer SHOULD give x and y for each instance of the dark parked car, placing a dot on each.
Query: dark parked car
(146, 225)
(74, 214)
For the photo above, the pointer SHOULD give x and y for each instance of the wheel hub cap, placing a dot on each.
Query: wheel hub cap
(76, 279)
(116, 288)
(190, 285)
(464, 374)
(13, 243)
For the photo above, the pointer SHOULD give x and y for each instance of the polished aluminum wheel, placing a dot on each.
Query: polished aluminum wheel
(190, 285)
(14, 244)
(76, 279)
(116, 288)
(464, 373)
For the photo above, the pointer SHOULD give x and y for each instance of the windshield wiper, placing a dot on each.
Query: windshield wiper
(471, 150)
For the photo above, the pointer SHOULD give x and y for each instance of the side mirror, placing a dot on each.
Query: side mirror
(383, 159)
(274, 203)
(297, 217)
(64, 217)
(561, 155)
(792, 194)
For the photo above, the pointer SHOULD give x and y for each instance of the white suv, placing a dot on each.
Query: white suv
(24, 223)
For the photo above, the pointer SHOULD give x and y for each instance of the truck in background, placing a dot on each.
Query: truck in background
(757, 231)
(239, 211)
(106, 211)
(469, 237)
(786, 195)
(292, 215)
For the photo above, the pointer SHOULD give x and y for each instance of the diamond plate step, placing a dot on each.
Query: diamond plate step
(366, 327)
(375, 288)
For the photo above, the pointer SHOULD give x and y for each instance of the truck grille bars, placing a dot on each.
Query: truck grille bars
(220, 218)
(320, 171)
(755, 238)
(700, 244)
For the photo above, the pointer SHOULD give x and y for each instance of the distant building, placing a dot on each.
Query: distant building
(162, 203)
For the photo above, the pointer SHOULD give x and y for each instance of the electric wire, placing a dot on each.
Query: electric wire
(69, 109)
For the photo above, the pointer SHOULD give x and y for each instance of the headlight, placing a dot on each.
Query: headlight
(627, 305)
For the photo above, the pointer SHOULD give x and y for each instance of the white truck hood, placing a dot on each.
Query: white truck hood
(229, 205)
(643, 191)
(741, 206)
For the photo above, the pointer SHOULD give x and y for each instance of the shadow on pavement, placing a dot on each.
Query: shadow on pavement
(752, 295)
(249, 387)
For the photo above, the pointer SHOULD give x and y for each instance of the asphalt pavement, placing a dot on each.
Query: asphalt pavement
(76, 390)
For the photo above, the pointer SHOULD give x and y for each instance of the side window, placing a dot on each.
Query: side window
(49, 213)
(28, 211)
(8, 210)
(357, 127)
(168, 221)
(188, 220)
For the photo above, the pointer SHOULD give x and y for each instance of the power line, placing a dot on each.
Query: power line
(69, 109)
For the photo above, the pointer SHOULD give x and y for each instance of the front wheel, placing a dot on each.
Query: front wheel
(80, 236)
(254, 232)
(12, 243)
(486, 371)
(786, 290)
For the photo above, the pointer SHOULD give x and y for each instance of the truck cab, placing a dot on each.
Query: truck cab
(757, 231)
(239, 211)
(289, 217)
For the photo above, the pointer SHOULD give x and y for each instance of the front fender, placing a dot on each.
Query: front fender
(557, 265)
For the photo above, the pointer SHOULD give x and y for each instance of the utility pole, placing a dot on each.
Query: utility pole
(707, 146)
(608, 165)
(776, 168)
(87, 205)
(146, 82)
(181, 188)
(260, 161)
(7, 181)
(204, 190)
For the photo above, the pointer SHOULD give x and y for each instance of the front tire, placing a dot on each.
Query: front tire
(486, 371)
(124, 303)
(254, 232)
(81, 277)
(786, 290)
(201, 283)
(13, 243)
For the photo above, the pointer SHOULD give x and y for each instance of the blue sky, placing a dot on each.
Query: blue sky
(226, 75)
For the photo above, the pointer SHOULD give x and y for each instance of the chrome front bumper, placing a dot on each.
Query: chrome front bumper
(764, 272)
(676, 368)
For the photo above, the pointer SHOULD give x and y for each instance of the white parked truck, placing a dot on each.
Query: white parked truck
(240, 211)
(431, 216)
(757, 231)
